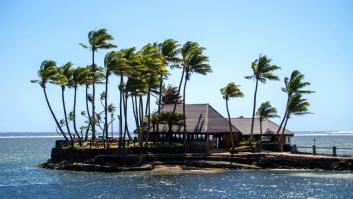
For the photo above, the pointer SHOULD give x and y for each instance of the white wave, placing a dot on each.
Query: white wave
(333, 133)
(29, 136)
(324, 175)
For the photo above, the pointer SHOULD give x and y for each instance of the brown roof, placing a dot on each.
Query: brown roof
(201, 118)
(244, 125)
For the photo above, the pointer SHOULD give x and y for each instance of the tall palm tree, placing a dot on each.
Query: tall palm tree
(297, 105)
(97, 39)
(266, 111)
(47, 72)
(110, 63)
(79, 76)
(294, 84)
(124, 58)
(152, 66)
(192, 61)
(230, 91)
(262, 71)
(88, 80)
(63, 80)
(169, 49)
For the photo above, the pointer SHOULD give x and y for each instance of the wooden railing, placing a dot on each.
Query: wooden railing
(315, 148)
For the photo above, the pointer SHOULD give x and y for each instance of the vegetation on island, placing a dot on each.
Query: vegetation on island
(142, 74)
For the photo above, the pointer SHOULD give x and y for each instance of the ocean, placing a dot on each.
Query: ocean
(20, 178)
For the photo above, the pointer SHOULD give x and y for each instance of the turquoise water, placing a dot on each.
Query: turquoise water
(19, 178)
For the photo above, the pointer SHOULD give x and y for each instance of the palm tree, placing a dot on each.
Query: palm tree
(47, 72)
(262, 71)
(266, 111)
(192, 61)
(294, 84)
(63, 79)
(78, 78)
(297, 105)
(97, 39)
(230, 91)
(88, 80)
(122, 67)
(169, 51)
(170, 95)
(151, 67)
(110, 63)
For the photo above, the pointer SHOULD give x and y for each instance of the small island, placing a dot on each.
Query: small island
(176, 133)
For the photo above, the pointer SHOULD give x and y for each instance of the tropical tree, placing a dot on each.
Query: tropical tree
(151, 67)
(266, 111)
(192, 61)
(169, 49)
(231, 91)
(88, 80)
(170, 95)
(97, 39)
(124, 59)
(297, 105)
(171, 119)
(46, 73)
(294, 84)
(63, 79)
(262, 71)
(78, 78)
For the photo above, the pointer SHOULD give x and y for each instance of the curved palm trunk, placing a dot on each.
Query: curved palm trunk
(126, 130)
(285, 115)
(184, 91)
(52, 113)
(180, 83)
(74, 114)
(93, 119)
(148, 112)
(106, 107)
(282, 122)
(230, 126)
(121, 110)
(253, 111)
(160, 98)
(284, 127)
(64, 107)
(134, 110)
(88, 114)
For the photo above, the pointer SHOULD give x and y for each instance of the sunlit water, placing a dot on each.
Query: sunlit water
(19, 178)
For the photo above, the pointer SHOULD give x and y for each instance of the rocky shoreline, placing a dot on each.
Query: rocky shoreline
(104, 160)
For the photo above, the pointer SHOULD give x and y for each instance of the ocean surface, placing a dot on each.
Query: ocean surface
(20, 178)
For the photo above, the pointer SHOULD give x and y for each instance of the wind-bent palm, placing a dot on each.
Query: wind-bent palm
(294, 84)
(46, 73)
(231, 91)
(98, 39)
(169, 51)
(63, 80)
(262, 71)
(79, 76)
(123, 61)
(192, 61)
(266, 111)
(297, 105)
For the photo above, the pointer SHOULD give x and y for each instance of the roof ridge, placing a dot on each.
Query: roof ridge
(224, 118)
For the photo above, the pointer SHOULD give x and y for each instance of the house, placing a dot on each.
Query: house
(203, 123)
(206, 126)
(266, 135)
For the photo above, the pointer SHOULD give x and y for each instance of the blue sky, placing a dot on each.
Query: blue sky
(314, 37)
